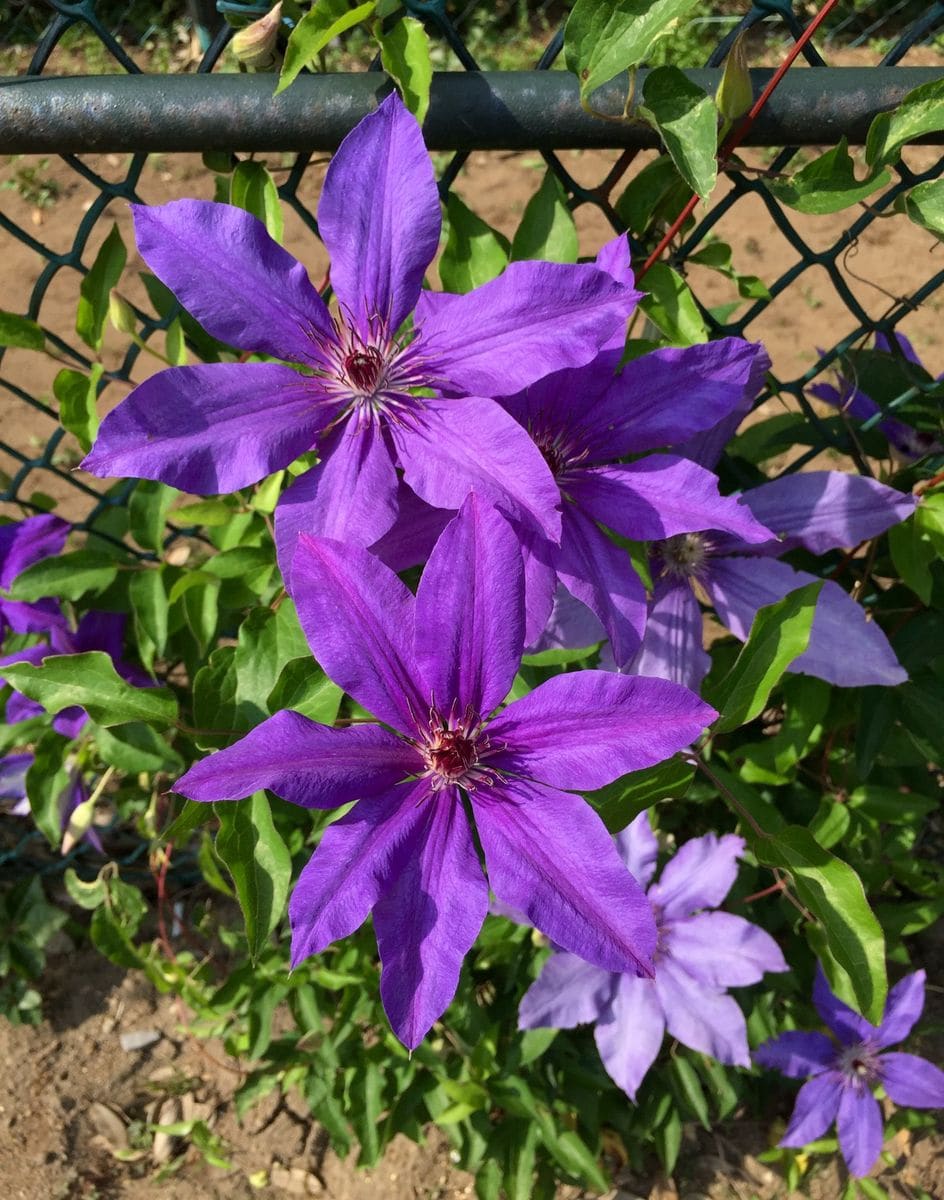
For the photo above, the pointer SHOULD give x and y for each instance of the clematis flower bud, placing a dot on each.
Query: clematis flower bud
(121, 314)
(255, 45)
(735, 94)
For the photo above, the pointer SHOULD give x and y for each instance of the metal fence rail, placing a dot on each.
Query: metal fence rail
(43, 113)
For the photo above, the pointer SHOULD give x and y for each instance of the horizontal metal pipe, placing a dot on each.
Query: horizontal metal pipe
(489, 110)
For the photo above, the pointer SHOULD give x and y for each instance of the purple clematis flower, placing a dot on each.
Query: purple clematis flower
(368, 394)
(910, 443)
(700, 954)
(23, 543)
(843, 1076)
(13, 771)
(434, 668)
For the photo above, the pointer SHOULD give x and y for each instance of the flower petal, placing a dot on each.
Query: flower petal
(568, 992)
(912, 1082)
(797, 1054)
(545, 618)
(212, 428)
(469, 623)
(700, 875)
(822, 510)
(672, 646)
(859, 1125)
(351, 495)
(549, 855)
(358, 860)
(845, 648)
(358, 619)
(452, 447)
(507, 333)
(701, 1017)
(428, 919)
(23, 543)
(638, 847)
(600, 575)
(903, 1007)
(13, 768)
(664, 397)
(723, 950)
(305, 763)
(379, 215)
(410, 539)
(570, 626)
(847, 1025)
(238, 282)
(630, 1037)
(587, 728)
(660, 496)
(817, 1104)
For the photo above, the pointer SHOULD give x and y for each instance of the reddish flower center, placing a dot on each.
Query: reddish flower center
(364, 367)
(452, 754)
(453, 749)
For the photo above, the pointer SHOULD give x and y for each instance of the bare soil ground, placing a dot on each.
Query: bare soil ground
(72, 1100)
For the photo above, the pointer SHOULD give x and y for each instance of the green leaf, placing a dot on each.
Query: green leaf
(921, 111)
(304, 688)
(602, 38)
(77, 394)
(46, 780)
(192, 815)
(688, 1087)
(827, 184)
(174, 345)
(668, 1141)
(67, 576)
(150, 607)
(259, 862)
(774, 759)
(735, 93)
(204, 512)
(95, 288)
(86, 895)
(20, 332)
(830, 822)
(687, 121)
(621, 801)
(253, 189)
(474, 252)
(779, 634)
(547, 229)
(325, 20)
(670, 305)
(655, 196)
(405, 55)
(913, 552)
(886, 804)
(267, 642)
(201, 607)
(148, 509)
(90, 681)
(924, 204)
(136, 748)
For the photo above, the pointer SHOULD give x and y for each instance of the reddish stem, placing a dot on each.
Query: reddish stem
(161, 897)
(734, 139)
(768, 891)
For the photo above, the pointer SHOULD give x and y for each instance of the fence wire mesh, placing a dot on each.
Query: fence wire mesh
(102, 36)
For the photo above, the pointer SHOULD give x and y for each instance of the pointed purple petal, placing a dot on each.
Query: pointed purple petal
(638, 847)
(817, 1104)
(902, 1009)
(358, 860)
(428, 919)
(859, 1125)
(23, 543)
(21, 708)
(44, 616)
(549, 855)
(452, 447)
(303, 762)
(100, 631)
(13, 768)
(349, 496)
(410, 540)
(562, 407)
(700, 875)
(660, 496)
(630, 1037)
(847, 1025)
(672, 646)
(568, 992)
(227, 271)
(723, 950)
(508, 333)
(570, 626)
(662, 398)
(70, 722)
(358, 619)
(884, 343)
(701, 1017)
(587, 728)
(379, 215)
(912, 1082)
(822, 510)
(600, 575)
(469, 622)
(615, 258)
(797, 1054)
(211, 428)
(845, 648)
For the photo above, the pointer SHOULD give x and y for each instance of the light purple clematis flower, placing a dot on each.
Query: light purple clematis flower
(843, 1076)
(222, 426)
(700, 954)
(433, 669)
(852, 400)
(23, 543)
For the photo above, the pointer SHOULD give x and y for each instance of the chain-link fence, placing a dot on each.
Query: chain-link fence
(236, 112)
